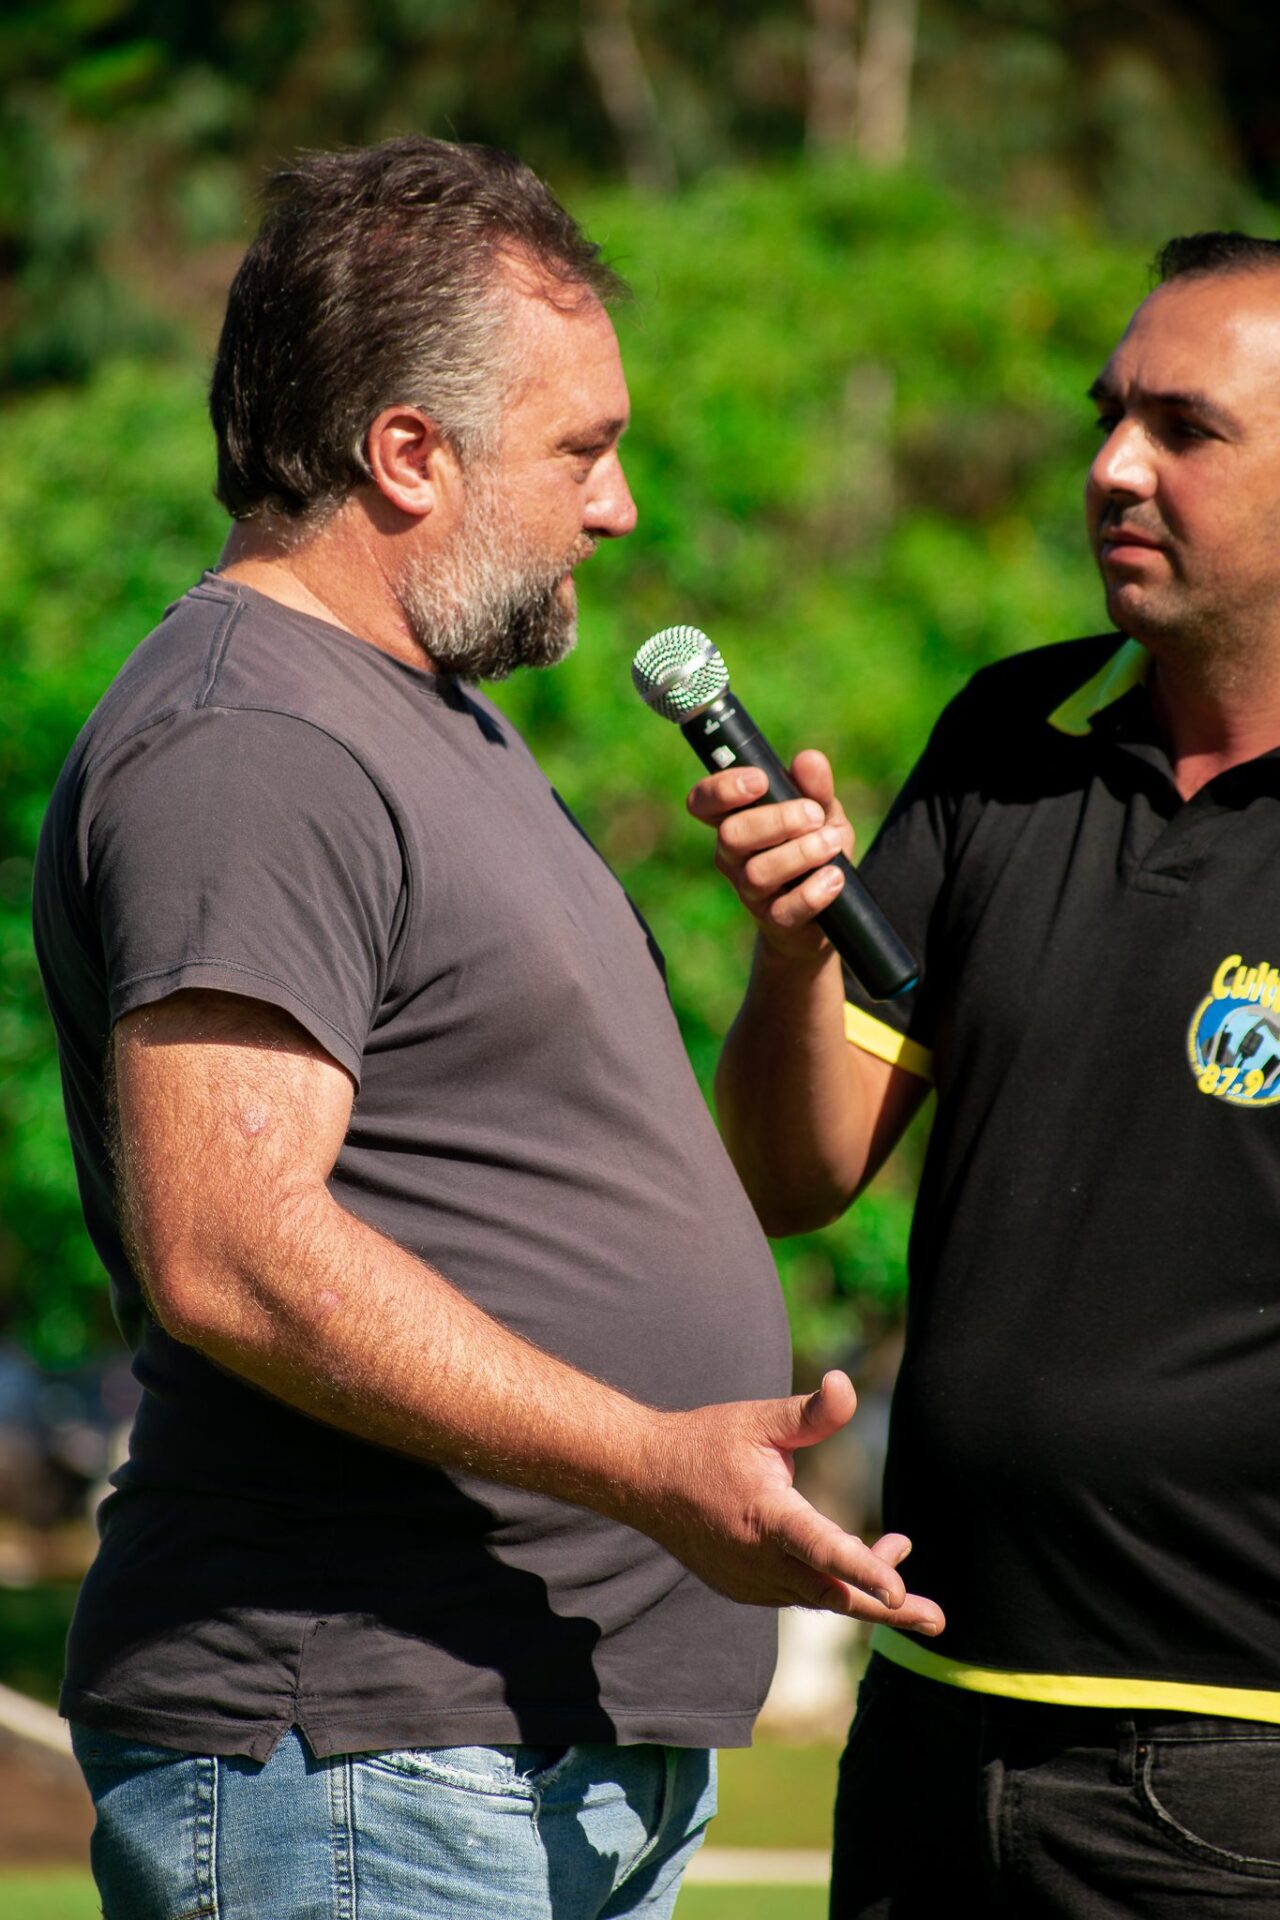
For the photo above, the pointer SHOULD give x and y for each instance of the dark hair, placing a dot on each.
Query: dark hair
(1206, 253)
(372, 282)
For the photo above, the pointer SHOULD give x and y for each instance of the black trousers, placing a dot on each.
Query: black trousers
(955, 1802)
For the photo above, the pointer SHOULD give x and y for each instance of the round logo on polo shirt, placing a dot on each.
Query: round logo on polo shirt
(1233, 1043)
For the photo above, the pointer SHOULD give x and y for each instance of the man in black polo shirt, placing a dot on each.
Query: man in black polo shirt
(1083, 1432)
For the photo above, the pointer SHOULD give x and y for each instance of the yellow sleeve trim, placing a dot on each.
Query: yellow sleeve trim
(1077, 1689)
(873, 1036)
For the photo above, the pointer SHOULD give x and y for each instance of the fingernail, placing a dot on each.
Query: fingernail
(831, 836)
(814, 816)
(885, 1598)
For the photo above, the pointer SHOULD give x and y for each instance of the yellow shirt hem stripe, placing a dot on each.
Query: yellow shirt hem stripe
(1078, 1689)
(873, 1036)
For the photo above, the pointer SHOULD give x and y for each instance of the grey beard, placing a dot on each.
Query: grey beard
(488, 606)
(535, 629)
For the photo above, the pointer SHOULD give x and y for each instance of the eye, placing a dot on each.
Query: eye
(582, 459)
(1186, 430)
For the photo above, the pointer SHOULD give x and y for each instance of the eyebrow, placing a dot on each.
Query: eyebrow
(602, 434)
(1191, 401)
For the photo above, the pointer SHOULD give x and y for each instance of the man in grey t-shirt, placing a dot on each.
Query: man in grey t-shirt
(460, 1444)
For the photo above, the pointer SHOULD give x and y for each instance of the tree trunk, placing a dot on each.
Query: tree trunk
(884, 81)
(613, 54)
(833, 75)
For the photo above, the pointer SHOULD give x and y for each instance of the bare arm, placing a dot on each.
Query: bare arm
(230, 1120)
(807, 1117)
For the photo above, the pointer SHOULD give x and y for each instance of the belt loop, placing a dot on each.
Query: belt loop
(1128, 1752)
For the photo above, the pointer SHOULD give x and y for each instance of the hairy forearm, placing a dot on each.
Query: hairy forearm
(324, 1313)
(330, 1317)
(230, 1121)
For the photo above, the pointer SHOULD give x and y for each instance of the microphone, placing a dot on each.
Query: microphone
(682, 676)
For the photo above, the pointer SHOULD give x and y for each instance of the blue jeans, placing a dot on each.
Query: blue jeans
(429, 1833)
(955, 1802)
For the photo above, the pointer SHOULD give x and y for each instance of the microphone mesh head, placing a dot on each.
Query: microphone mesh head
(678, 673)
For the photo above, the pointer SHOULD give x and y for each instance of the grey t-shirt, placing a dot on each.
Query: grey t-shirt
(265, 805)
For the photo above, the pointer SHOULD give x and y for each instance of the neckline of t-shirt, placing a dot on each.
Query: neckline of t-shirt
(440, 686)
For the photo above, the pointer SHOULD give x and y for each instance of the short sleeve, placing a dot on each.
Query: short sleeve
(905, 871)
(248, 852)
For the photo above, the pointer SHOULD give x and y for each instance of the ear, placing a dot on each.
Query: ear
(412, 464)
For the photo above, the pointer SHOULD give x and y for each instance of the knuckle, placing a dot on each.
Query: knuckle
(760, 874)
(791, 909)
(741, 830)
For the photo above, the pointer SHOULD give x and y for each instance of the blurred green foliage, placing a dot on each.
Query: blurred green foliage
(132, 132)
(105, 516)
(858, 444)
(33, 1638)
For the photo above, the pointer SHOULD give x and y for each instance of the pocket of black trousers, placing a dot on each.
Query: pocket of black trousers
(1218, 1797)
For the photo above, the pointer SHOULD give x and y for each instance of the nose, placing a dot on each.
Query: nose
(609, 508)
(1124, 463)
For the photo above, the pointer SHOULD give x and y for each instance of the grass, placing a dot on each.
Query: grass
(59, 1894)
(70, 1896)
(775, 1796)
(737, 1903)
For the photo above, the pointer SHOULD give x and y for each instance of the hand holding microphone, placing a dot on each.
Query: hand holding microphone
(771, 836)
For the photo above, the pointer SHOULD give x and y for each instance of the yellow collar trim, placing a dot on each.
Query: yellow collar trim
(1128, 667)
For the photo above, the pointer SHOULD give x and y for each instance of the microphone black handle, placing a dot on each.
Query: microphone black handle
(724, 735)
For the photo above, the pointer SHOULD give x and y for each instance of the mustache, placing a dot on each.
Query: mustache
(1112, 517)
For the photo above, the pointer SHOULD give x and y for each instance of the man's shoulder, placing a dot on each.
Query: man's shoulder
(1022, 712)
(221, 646)
(173, 672)
(1031, 686)
(219, 693)
(224, 654)
(163, 672)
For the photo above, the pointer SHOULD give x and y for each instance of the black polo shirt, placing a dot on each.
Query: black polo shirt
(1083, 1444)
